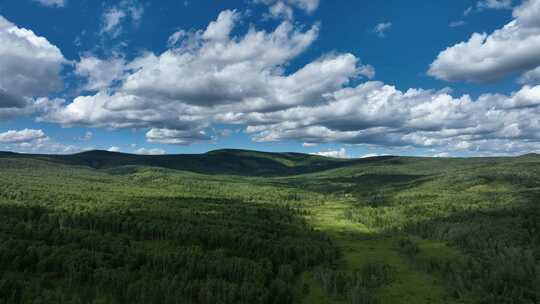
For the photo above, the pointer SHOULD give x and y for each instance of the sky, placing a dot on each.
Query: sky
(339, 78)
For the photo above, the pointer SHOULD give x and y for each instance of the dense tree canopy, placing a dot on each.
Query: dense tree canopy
(71, 233)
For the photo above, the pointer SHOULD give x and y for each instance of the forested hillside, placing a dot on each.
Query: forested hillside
(233, 162)
(236, 226)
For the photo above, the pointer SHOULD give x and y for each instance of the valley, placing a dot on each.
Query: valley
(234, 226)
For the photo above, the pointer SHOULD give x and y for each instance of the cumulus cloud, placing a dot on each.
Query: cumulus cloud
(52, 3)
(33, 141)
(30, 67)
(210, 77)
(381, 29)
(40, 105)
(377, 114)
(341, 153)
(100, 74)
(211, 72)
(215, 69)
(176, 137)
(26, 135)
(113, 17)
(220, 29)
(29, 64)
(46, 146)
(151, 151)
(487, 58)
(527, 14)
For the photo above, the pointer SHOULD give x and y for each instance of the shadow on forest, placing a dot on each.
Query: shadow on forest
(222, 162)
(499, 246)
(200, 250)
(359, 186)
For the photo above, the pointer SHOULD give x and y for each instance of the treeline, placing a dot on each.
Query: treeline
(358, 286)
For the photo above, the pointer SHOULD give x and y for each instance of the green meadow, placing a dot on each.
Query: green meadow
(234, 226)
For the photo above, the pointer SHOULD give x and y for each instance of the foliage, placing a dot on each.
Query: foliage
(79, 236)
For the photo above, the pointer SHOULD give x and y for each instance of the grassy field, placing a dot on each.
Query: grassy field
(361, 246)
(237, 226)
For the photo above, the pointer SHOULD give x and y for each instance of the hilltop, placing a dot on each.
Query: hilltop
(226, 161)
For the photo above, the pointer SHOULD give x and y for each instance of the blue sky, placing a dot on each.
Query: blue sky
(340, 78)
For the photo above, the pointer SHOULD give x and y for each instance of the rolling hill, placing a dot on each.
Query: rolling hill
(229, 161)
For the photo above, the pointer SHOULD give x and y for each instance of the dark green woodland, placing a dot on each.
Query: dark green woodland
(233, 226)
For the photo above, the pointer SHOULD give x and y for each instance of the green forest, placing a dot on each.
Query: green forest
(234, 226)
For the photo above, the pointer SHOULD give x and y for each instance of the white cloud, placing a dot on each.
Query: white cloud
(210, 77)
(30, 67)
(176, 137)
(381, 29)
(46, 146)
(153, 151)
(113, 17)
(527, 14)
(486, 58)
(341, 153)
(212, 69)
(210, 72)
(26, 135)
(52, 3)
(33, 141)
(380, 115)
(220, 29)
(114, 149)
(100, 74)
(367, 70)
(32, 106)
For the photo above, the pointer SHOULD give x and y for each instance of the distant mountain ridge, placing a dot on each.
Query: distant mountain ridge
(226, 161)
